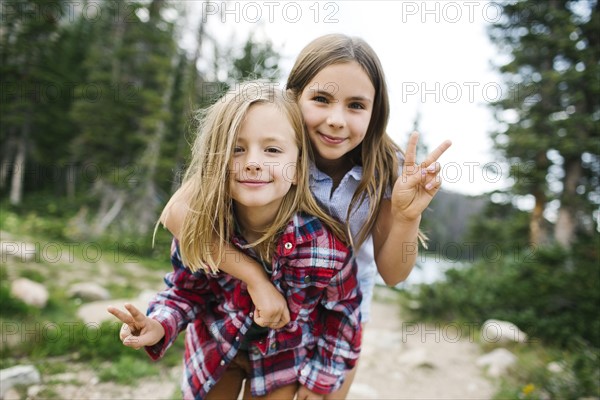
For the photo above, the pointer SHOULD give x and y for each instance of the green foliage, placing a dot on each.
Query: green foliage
(10, 306)
(499, 226)
(548, 292)
(549, 119)
(102, 108)
(127, 369)
(552, 373)
(258, 60)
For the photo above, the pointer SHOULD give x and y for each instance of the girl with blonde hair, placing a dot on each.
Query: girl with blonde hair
(358, 174)
(247, 187)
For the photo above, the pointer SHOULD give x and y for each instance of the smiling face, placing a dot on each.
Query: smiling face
(263, 166)
(337, 105)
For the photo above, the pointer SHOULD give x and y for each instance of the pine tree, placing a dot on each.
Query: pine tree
(29, 32)
(553, 77)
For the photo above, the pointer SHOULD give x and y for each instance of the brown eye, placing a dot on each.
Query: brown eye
(357, 106)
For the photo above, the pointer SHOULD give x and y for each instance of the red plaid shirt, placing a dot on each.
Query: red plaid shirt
(317, 275)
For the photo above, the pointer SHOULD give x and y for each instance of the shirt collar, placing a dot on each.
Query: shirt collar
(317, 175)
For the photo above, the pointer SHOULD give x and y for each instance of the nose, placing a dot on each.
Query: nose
(252, 167)
(336, 118)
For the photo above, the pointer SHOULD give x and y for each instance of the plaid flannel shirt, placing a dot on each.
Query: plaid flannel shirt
(317, 275)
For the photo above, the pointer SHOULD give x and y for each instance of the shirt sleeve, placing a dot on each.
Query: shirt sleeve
(338, 346)
(179, 303)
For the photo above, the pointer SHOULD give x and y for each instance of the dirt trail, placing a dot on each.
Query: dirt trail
(413, 361)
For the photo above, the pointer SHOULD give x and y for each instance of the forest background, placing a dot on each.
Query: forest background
(97, 111)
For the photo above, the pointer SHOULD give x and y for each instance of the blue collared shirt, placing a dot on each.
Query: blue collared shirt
(336, 204)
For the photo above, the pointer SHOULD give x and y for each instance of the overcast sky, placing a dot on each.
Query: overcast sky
(436, 55)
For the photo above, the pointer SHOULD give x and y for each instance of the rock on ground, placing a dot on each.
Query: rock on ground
(416, 361)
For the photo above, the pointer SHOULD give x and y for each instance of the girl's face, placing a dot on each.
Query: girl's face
(264, 160)
(337, 105)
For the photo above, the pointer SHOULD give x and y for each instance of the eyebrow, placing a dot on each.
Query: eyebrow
(274, 139)
(268, 139)
(353, 98)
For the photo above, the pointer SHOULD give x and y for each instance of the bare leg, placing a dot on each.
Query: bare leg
(230, 384)
(343, 391)
(283, 393)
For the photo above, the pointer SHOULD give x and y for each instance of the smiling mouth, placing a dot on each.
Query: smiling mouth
(331, 139)
(254, 183)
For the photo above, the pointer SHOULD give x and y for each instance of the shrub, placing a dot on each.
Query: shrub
(552, 295)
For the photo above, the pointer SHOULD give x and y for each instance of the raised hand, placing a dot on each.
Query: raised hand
(418, 183)
(137, 330)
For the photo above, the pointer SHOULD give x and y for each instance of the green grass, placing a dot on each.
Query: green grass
(578, 377)
(127, 369)
(54, 332)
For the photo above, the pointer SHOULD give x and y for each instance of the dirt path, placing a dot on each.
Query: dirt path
(399, 360)
(413, 361)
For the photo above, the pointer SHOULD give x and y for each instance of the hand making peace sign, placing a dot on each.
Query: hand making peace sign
(418, 183)
(137, 330)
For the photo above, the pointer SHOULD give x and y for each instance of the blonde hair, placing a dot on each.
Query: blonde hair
(210, 218)
(377, 153)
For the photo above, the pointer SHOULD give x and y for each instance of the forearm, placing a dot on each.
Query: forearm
(397, 255)
(234, 262)
(242, 266)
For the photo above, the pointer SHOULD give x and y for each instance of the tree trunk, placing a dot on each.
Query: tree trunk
(566, 223)
(70, 178)
(7, 158)
(537, 230)
(18, 175)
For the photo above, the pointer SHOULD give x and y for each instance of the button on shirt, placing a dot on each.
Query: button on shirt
(316, 274)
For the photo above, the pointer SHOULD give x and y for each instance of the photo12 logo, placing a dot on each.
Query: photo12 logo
(450, 11)
(272, 11)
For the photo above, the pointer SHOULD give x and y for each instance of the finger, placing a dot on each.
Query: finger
(433, 168)
(137, 315)
(258, 320)
(124, 332)
(277, 325)
(123, 316)
(433, 183)
(437, 153)
(410, 157)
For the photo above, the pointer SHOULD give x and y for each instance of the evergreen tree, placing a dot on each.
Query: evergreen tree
(131, 63)
(553, 145)
(29, 33)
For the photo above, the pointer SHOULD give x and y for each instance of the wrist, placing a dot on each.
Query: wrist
(256, 280)
(408, 219)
